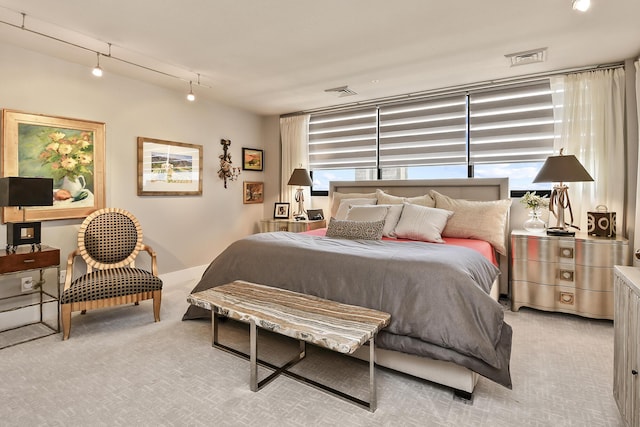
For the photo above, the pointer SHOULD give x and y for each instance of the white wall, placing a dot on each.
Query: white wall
(184, 231)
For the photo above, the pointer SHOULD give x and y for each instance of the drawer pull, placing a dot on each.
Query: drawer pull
(27, 261)
(634, 372)
(566, 275)
(566, 252)
(566, 298)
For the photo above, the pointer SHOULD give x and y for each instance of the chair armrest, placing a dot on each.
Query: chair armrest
(152, 253)
(70, 261)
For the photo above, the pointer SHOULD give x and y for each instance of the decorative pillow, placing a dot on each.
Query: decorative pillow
(388, 199)
(367, 213)
(422, 223)
(365, 230)
(477, 220)
(391, 220)
(346, 204)
(337, 198)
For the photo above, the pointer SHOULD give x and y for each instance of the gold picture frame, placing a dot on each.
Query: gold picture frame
(168, 168)
(253, 192)
(71, 151)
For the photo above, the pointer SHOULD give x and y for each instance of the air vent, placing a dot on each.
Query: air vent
(342, 91)
(527, 57)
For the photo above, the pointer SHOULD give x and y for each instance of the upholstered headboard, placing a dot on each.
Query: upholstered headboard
(481, 189)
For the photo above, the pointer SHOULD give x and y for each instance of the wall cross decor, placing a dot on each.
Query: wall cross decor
(227, 171)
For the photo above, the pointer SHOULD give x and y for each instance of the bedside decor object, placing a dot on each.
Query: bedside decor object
(109, 240)
(21, 192)
(252, 159)
(167, 168)
(301, 178)
(227, 171)
(70, 151)
(281, 210)
(253, 192)
(534, 202)
(561, 169)
(315, 214)
(601, 223)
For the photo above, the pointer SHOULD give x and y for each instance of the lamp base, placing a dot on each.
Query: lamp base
(560, 232)
(23, 233)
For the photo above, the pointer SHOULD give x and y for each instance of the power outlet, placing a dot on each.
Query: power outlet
(63, 276)
(27, 284)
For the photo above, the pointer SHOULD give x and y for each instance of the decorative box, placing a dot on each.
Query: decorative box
(601, 223)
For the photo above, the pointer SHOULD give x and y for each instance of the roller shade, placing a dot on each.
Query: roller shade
(346, 139)
(511, 124)
(426, 132)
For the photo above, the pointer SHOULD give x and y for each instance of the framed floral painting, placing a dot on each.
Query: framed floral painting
(71, 151)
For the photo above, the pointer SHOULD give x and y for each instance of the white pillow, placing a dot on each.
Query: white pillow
(389, 199)
(477, 220)
(367, 213)
(391, 220)
(338, 197)
(422, 223)
(345, 204)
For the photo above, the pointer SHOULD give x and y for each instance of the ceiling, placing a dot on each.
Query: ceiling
(279, 56)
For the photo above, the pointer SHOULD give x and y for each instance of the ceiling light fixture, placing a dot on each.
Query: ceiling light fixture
(97, 71)
(190, 96)
(581, 5)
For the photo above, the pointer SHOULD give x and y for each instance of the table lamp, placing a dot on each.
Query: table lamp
(301, 178)
(561, 169)
(21, 192)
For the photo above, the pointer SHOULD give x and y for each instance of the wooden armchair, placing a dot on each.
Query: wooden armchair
(109, 241)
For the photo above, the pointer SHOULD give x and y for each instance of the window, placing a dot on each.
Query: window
(504, 131)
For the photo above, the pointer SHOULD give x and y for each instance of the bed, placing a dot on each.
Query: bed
(450, 344)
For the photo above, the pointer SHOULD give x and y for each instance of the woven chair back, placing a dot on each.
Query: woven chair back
(109, 238)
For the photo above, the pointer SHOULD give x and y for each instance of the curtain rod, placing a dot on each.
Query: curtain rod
(488, 84)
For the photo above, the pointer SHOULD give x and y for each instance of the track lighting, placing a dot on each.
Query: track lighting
(97, 71)
(190, 96)
(581, 5)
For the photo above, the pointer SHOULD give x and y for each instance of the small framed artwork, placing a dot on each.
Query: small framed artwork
(167, 168)
(253, 192)
(252, 159)
(281, 210)
(69, 151)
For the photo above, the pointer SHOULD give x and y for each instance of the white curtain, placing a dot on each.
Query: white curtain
(294, 137)
(589, 109)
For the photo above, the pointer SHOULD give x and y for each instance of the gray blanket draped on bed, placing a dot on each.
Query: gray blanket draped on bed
(437, 295)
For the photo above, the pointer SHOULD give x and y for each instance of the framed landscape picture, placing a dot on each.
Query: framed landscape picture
(252, 159)
(70, 151)
(167, 168)
(253, 192)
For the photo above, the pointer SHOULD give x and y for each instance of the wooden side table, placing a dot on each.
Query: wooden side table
(21, 261)
(267, 225)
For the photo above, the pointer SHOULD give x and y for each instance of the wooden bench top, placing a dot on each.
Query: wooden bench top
(339, 327)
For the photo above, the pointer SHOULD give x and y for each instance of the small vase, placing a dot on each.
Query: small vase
(73, 186)
(534, 224)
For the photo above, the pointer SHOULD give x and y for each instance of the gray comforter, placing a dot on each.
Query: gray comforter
(437, 295)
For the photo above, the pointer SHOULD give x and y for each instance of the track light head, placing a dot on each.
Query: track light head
(190, 96)
(97, 71)
(581, 5)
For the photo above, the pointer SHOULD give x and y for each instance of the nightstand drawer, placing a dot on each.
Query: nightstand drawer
(541, 249)
(563, 299)
(549, 273)
(26, 260)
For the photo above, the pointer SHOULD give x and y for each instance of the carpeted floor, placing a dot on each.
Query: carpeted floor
(121, 368)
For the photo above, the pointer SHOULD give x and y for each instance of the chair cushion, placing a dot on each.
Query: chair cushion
(110, 283)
